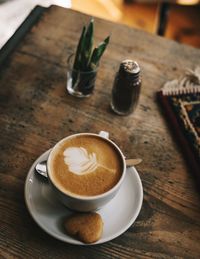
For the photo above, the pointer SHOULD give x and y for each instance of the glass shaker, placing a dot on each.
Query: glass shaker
(126, 88)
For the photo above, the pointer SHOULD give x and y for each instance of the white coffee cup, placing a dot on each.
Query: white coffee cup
(80, 202)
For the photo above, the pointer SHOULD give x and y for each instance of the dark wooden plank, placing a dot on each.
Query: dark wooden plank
(36, 112)
(11, 44)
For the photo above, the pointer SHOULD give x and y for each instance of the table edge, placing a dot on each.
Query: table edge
(19, 34)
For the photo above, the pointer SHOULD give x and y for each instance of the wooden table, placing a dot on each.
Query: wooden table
(36, 112)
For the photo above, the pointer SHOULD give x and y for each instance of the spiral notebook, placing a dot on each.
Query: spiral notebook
(180, 99)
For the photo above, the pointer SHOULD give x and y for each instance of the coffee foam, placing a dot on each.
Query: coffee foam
(80, 162)
(85, 165)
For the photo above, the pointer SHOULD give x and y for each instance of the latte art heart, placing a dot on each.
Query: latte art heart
(80, 162)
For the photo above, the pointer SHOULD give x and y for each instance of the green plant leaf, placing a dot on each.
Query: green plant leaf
(88, 45)
(97, 53)
(79, 50)
(86, 58)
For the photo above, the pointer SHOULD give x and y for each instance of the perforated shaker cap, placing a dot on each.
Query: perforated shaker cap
(129, 66)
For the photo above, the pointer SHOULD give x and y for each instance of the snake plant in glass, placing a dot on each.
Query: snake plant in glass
(86, 62)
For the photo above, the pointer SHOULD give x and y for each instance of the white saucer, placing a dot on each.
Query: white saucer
(118, 215)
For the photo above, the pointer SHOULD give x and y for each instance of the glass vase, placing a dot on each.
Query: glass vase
(80, 83)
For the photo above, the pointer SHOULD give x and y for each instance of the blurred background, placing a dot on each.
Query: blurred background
(174, 19)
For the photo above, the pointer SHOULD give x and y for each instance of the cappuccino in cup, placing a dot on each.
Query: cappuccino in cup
(85, 165)
(86, 170)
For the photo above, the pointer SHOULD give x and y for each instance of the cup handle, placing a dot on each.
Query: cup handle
(104, 134)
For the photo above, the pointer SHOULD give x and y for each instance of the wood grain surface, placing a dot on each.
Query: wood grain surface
(36, 112)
